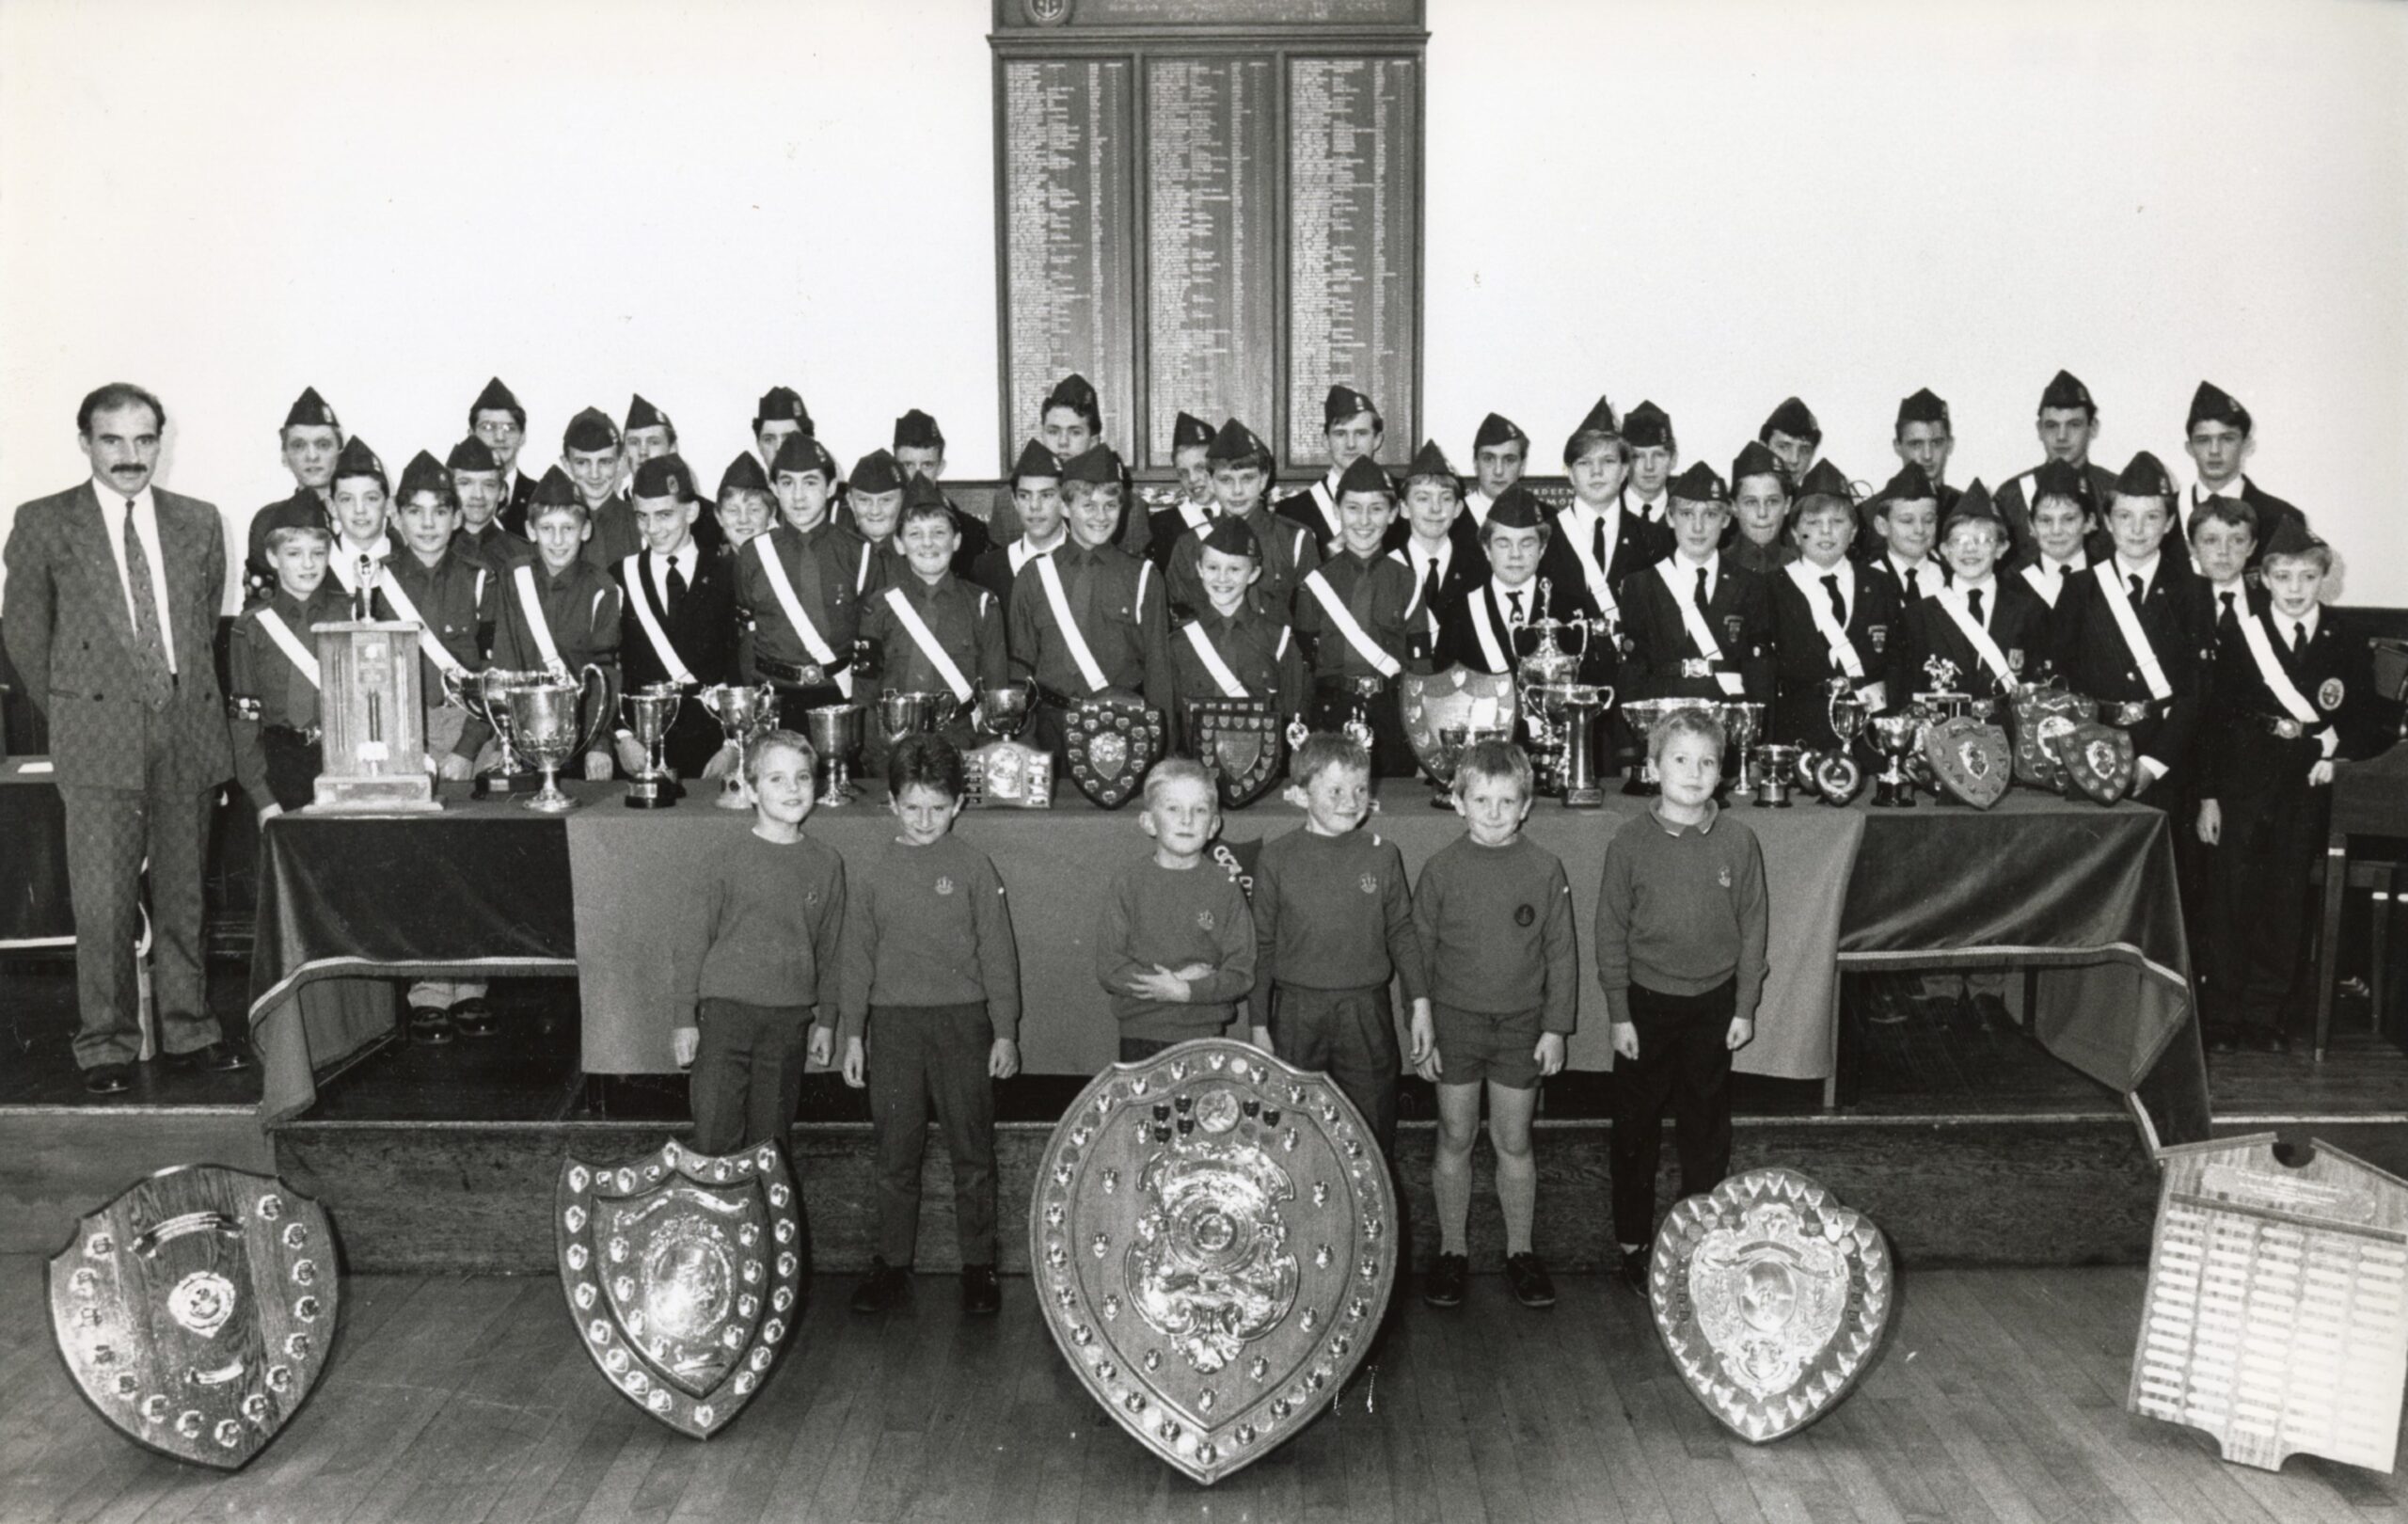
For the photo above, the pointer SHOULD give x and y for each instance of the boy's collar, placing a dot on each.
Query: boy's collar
(1705, 826)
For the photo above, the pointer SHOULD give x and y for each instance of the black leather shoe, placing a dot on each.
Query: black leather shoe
(1991, 1011)
(1448, 1279)
(2223, 1039)
(430, 1025)
(109, 1079)
(981, 1294)
(1634, 1271)
(2273, 1040)
(881, 1288)
(1530, 1283)
(217, 1058)
(475, 1019)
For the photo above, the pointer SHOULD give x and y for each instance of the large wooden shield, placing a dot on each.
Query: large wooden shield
(1771, 1298)
(195, 1311)
(1240, 741)
(2097, 759)
(1455, 699)
(683, 1273)
(1213, 1239)
(2040, 713)
(1112, 743)
(1971, 760)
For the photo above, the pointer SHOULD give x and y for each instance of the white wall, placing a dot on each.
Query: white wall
(1713, 203)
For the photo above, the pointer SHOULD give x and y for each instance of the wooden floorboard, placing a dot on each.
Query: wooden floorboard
(470, 1401)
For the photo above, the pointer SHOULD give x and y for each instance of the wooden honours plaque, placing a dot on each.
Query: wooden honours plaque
(2277, 1310)
(375, 718)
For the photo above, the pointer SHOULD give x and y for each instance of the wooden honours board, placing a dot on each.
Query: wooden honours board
(1209, 206)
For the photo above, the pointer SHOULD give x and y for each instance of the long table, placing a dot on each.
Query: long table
(2084, 895)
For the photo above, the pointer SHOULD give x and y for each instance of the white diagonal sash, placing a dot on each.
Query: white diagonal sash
(782, 586)
(640, 598)
(1090, 671)
(2128, 621)
(1700, 632)
(2036, 577)
(407, 612)
(1952, 600)
(1327, 503)
(1205, 653)
(926, 639)
(1827, 624)
(530, 605)
(1342, 619)
(2269, 671)
(1484, 630)
(290, 643)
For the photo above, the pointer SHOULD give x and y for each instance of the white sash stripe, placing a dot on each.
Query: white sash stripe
(444, 660)
(532, 607)
(1073, 637)
(2119, 604)
(1230, 687)
(1342, 619)
(926, 639)
(1952, 600)
(1827, 624)
(2269, 671)
(1484, 631)
(1701, 634)
(783, 586)
(642, 599)
(290, 643)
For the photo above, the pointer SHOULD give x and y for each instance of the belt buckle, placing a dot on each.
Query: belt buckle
(1696, 667)
(2289, 728)
(2129, 713)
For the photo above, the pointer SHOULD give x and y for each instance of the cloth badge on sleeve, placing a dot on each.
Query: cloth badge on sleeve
(2328, 693)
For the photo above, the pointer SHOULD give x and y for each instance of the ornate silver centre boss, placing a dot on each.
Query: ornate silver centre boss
(1213, 1237)
(1771, 1298)
(683, 1273)
(197, 1310)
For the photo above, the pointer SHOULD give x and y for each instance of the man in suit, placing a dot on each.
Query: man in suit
(2217, 437)
(2068, 424)
(112, 615)
(497, 418)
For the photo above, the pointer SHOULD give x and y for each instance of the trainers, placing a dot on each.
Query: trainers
(1444, 1285)
(881, 1288)
(1528, 1279)
(981, 1295)
(1634, 1270)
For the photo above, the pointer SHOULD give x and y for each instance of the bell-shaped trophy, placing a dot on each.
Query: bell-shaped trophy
(1778, 766)
(1743, 721)
(544, 715)
(651, 710)
(835, 733)
(1899, 737)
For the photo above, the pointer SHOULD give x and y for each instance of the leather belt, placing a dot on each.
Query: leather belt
(292, 735)
(1696, 667)
(800, 675)
(1351, 687)
(2135, 712)
(2279, 724)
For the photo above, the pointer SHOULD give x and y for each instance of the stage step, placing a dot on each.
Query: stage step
(57, 1163)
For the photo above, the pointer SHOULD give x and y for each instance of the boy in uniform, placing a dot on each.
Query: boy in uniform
(496, 418)
(1493, 910)
(1445, 562)
(2068, 424)
(1087, 620)
(744, 505)
(1501, 451)
(1240, 465)
(777, 417)
(1035, 488)
(1924, 438)
(560, 612)
(2134, 632)
(1993, 630)
(1796, 439)
(937, 633)
(1654, 455)
(1233, 647)
(797, 584)
(1351, 612)
(1175, 943)
(477, 479)
(2294, 689)
(1599, 540)
(1069, 420)
(678, 620)
(271, 675)
(363, 508)
(919, 455)
(1905, 516)
(2224, 541)
(1831, 618)
(2066, 536)
(1333, 925)
(1759, 512)
(1698, 627)
(310, 440)
(1480, 630)
(592, 456)
(2216, 435)
(1353, 430)
(873, 507)
(929, 1018)
(1680, 937)
(1191, 449)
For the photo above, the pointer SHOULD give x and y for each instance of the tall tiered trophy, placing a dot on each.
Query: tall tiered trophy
(375, 721)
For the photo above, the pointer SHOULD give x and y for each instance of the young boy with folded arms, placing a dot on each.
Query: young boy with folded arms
(930, 1016)
(1175, 945)
(1494, 912)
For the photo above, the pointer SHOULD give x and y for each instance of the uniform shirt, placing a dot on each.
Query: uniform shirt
(496, 548)
(264, 688)
(1764, 559)
(2014, 503)
(1116, 601)
(823, 565)
(1378, 591)
(2173, 612)
(766, 926)
(343, 558)
(1333, 913)
(1315, 509)
(2243, 759)
(580, 607)
(1170, 918)
(1680, 909)
(1496, 925)
(967, 622)
(1803, 660)
(1459, 566)
(304, 509)
(2012, 616)
(996, 569)
(927, 926)
(616, 536)
(1288, 550)
(1738, 612)
(1259, 650)
(457, 601)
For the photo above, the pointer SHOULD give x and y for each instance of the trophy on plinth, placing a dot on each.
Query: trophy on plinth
(1778, 763)
(486, 695)
(1544, 677)
(742, 713)
(651, 710)
(1898, 736)
(1836, 773)
(835, 733)
(1744, 720)
(1582, 705)
(374, 718)
(543, 714)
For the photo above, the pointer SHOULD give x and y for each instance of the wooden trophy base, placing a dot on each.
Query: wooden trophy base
(505, 784)
(654, 793)
(374, 794)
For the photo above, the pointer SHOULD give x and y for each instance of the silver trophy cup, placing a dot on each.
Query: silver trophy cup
(544, 716)
(486, 695)
(742, 713)
(651, 710)
(835, 733)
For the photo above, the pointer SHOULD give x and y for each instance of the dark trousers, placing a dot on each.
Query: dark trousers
(747, 1079)
(2256, 926)
(1350, 1035)
(1331, 706)
(292, 767)
(110, 834)
(1684, 1062)
(923, 1057)
(1137, 1050)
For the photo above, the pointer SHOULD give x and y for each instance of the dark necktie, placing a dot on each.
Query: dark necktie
(1973, 601)
(2225, 611)
(2135, 583)
(1514, 618)
(2299, 638)
(1838, 605)
(150, 646)
(1429, 587)
(1914, 585)
(1597, 545)
(676, 582)
(1082, 590)
(1704, 602)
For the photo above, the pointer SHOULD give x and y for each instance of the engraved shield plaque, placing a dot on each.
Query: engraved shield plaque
(1455, 699)
(2041, 712)
(195, 1311)
(1213, 1236)
(2277, 1318)
(1771, 1298)
(2097, 759)
(1112, 743)
(1239, 740)
(683, 1273)
(1970, 759)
